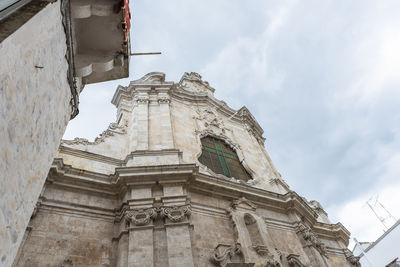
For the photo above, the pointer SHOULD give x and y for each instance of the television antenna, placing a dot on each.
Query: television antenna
(381, 212)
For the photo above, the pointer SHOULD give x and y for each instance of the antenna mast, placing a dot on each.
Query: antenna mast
(380, 211)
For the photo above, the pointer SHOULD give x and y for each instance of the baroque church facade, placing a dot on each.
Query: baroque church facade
(180, 179)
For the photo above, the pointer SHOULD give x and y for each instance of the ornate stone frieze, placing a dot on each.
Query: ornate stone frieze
(223, 253)
(311, 238)
(353, 260)
(140, 217)
(113, 128)
(176, 213)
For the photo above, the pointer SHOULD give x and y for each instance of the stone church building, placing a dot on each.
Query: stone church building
(180, 179)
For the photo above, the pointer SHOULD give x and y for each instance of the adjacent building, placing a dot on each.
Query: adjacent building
(48, 51)
(382, 252)
(179, 179)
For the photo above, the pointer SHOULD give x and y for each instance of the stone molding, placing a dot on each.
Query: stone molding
(198, 182)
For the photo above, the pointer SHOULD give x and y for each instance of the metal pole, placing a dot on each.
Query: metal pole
(145, 54)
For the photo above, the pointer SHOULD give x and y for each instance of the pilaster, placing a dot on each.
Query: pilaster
(165, 119)
(176, 210)
(140, 118)
(141, 215)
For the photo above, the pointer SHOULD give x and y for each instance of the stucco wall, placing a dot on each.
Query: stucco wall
(34, 112)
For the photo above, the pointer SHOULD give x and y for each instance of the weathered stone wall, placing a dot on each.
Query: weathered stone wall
(56, 238)
(34, 112)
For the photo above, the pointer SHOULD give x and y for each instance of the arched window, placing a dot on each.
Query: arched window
(222, 159)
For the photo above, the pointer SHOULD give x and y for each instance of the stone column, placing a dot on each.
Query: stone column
(165, 120)
(140, 127)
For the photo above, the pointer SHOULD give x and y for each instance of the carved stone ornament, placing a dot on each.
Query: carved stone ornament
(67, 263)
(141, 99)
(311, 238)
(261, 250)
(294, 261)
(353, 260)
(211, 121)
(140, 217)
(165, 99)
(271, 262)
(238, 202)
(223, 253)
(112, 129)
(176, 213)
(193, 80)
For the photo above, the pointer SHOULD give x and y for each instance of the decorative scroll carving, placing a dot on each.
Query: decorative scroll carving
(176, 213)
(195, 82)
(211, 121)
(311, 239)
(142, 217)
(164, 99)
(353, 260)
(294, 261)
(223, 253)
(141, 99)
(112, 129)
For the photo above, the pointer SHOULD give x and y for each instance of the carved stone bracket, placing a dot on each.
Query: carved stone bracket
(176, 213)
(140, 217)
(261, 250)
(294, 261)
(223, 253)
(353, 260)
(311, 238)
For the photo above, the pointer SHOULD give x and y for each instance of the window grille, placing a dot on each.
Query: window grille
(222, 159)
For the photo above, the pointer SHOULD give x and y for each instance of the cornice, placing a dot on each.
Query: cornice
(91, 156)
(196, 182)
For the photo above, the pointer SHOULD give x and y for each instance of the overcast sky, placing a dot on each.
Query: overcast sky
(321, 77)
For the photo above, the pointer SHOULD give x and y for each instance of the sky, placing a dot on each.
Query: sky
(321, 77)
